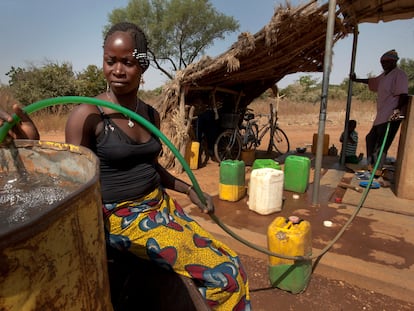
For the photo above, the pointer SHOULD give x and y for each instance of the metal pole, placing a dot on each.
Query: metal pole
(349, 96)
(324, 99)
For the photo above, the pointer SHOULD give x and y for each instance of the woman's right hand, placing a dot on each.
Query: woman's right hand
(24, 129)
(205, 208)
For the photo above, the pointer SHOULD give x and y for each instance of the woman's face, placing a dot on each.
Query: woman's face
(121, 69)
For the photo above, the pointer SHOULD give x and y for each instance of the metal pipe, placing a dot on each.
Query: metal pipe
(349, 96)
(324, 100)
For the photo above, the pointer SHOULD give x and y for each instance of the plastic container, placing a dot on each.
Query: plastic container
(266, 191)
(232, 180)
(266, 163)
(192, 153)
(248, 156)
(290, 238)
(325, 143)
(297, 171)
(56, 259)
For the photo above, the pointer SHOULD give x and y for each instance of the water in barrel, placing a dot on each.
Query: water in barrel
(21, 198)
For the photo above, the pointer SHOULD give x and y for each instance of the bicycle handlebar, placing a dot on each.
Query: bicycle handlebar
(261, 115)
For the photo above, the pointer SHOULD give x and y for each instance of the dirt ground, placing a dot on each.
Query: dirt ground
(322, 293)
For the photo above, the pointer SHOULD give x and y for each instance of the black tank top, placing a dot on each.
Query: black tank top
(127, 168)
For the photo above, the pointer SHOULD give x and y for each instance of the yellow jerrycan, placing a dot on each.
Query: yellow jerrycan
(290, 237)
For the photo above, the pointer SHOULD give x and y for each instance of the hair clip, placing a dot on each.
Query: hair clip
(142, 59)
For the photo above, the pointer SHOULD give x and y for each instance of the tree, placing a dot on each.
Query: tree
(34, 84)
(90, 82)
(305, 89)
(179, 31)
(307, 82)
(359, 90)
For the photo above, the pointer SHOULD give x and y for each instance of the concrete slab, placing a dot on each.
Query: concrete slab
(383, 199)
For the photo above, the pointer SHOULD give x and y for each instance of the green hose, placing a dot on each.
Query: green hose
(98, 102)
(149, 126)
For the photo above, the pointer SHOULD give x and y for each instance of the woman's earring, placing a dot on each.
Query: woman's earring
(107, 87)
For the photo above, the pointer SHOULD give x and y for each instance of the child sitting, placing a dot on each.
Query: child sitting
(351, 144)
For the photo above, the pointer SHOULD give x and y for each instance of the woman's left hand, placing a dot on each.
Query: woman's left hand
(205, 208)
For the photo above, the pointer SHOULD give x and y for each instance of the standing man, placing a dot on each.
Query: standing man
(392, 95)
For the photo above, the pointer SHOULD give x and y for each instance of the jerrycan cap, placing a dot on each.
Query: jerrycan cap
(294, 219)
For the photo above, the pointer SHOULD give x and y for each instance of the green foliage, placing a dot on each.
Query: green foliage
(34, 84)
(336, 92)
(29, 85)
(90, 82)
(305, 89)
(308, 83)
(359, 90)
(179, 31)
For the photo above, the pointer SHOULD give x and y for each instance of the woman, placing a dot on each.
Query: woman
(139, 215)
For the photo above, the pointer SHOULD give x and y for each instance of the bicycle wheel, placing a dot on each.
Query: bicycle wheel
(227, 146)
(280, 141)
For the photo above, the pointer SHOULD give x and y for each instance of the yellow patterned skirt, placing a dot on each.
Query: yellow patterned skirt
(155, 227)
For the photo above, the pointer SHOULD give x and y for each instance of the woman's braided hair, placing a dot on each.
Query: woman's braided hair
(139, 38)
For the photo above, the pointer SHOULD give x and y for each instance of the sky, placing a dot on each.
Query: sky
(36, 32)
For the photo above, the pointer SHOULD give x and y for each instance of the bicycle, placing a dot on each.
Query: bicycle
(249, 135)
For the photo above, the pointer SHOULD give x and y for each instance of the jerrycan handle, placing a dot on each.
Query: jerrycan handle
(292, 220)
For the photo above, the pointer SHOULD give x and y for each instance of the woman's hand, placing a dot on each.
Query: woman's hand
(205, 208)
(24, 129)
(396, 115)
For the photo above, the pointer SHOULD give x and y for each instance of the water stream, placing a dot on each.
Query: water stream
(18, 163)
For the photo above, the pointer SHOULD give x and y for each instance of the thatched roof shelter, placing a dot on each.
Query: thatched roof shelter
(293, 41)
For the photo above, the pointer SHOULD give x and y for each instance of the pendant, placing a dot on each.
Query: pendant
(130, 123)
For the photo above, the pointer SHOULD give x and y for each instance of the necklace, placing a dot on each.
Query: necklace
(131, 124)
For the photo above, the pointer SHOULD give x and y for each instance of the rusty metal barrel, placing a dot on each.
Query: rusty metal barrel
(56, 260)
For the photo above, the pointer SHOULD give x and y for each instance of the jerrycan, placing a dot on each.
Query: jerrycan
(297, 171)
(262, 163)
(232, 180)
(290, 237)
(266, 191)
(192, 154)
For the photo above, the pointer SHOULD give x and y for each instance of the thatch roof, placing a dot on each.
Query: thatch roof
(293, 41)
(374, 11)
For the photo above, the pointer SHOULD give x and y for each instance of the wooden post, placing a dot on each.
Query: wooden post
(404, 174)
(186, 120)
